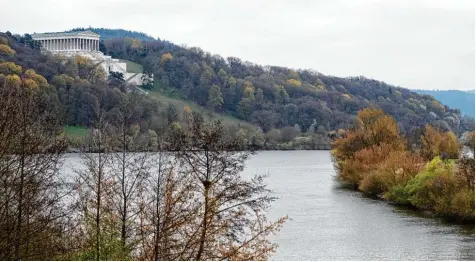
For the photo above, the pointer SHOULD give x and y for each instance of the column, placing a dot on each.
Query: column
(97, 45)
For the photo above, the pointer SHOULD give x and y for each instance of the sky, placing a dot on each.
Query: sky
(414, 44)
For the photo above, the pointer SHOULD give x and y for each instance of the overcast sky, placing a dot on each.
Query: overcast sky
(414, 44)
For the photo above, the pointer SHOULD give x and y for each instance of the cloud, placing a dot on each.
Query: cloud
(415, 44)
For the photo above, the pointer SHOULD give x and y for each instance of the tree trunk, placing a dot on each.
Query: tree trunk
(204, 224)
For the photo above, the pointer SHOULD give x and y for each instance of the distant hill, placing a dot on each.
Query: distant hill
(462, 100)
(274, 97)
(292, 107)
(116, 33)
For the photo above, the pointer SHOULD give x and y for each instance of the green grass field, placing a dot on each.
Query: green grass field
(76, 131)
(133, 67)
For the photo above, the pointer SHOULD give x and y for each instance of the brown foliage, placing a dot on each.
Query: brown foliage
(436, 143)
(228, 205)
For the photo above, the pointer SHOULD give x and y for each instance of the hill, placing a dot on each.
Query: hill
(462, 100)
(275, 107)
(278, 97)
(116, 33)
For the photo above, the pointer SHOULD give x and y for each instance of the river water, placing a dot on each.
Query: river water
(329, 222)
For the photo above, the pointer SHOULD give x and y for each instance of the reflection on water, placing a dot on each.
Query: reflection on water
(330, 222)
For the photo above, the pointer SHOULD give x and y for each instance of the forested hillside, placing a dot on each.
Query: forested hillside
(279, 97)
(462, 100)
(285, 108)
(114, 33)
(80, 95)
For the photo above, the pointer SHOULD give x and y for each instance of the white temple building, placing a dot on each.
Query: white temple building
(85, 43)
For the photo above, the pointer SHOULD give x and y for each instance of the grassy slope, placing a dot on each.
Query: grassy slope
(133, 67)
(76, 131)
(179, 103)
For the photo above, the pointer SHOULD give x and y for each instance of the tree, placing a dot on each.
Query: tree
(265, 119)
(288, 133)
(470, 141)
(229, 205)
(129, 168)
(6, 50)
(215, 99)
(95, 185)
(32, 211)
(166, 58)
(281, 96)
(436, 143)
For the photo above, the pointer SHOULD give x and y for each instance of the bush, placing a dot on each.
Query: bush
(377, 183)
(462, 204)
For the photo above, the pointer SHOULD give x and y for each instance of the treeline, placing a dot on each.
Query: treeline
(437, 176)
(275, 97)
(107, 33)
(187, 203)
(77, 85)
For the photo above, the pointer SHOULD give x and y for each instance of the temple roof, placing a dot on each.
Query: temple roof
(60, 34)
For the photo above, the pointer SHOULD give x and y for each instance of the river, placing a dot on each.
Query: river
(329, 222)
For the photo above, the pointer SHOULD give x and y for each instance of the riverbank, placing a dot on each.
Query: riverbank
(433, 177)
(330, 222)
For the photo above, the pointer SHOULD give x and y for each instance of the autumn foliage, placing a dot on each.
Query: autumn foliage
(373, 158)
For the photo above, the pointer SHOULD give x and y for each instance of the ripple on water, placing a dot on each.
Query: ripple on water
(331, 222)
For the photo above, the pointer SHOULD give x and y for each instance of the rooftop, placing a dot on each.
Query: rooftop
(77, 33)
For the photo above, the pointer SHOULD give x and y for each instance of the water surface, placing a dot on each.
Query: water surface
(330, 222)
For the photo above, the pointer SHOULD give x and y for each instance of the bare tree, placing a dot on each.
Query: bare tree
(230, 223)
(129, 167)
(31, 190)
(168, 209)
(95, 183)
